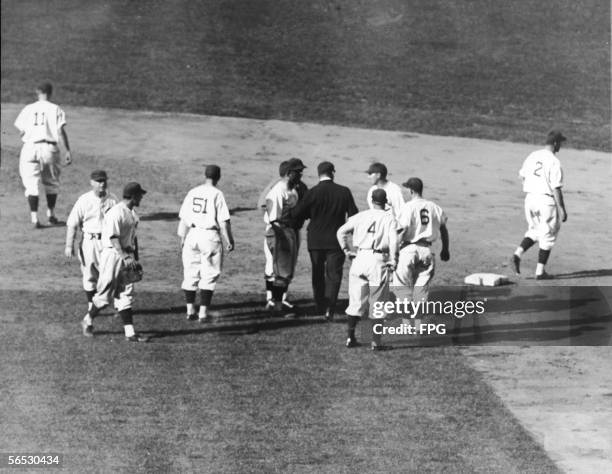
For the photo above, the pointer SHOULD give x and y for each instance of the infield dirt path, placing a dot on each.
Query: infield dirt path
(562, 395)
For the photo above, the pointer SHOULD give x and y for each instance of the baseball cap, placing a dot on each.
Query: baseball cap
(133, 189)
(416, 184)
(555, 136)
(295, 164)
(212, 172)
(282, 168)
(45, 88)
(377, 168)
(98, 175)
(379, 196)
(325, 167)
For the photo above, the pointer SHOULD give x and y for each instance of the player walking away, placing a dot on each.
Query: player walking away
(281, 233)
(421, 222)
(42, 126)
(119, 251)
(374, 259)
(87, 215)
(378, 176)
(327, 205)
(544, 207)
(204, 221)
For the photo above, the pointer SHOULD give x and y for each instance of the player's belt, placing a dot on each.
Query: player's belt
(204, 228)
(422, 243)
(93, 235)
(46, 141)
(373, 250)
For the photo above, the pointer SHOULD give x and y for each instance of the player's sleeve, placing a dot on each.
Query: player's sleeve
(75, 218)
(398, 199)
(185, 211)
(261, 202)
(523, 172)
(441, 215)
(223, 213)
(21, 120)
(274, 203)
(369, 197)
(60, 117)
(555, 175)
(110, 225)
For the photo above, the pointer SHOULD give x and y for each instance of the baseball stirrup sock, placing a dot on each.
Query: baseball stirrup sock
(352, 324)
(277, 292)
(205, 297)
(33, 203)
(126, 317)
(51, 200)
(90, 295)
(190, 296)
(526, 244)
(543, 256)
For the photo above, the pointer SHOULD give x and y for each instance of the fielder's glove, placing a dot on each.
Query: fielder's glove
(132, 272)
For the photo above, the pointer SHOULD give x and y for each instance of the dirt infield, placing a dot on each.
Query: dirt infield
(474, 180)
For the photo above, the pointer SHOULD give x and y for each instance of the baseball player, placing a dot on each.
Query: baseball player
(281, 233)
(42, 126)
(374, 259)
(421, 222)
(544, 207)
(378, 176)
(119, 250)
(87, 216)
(204, 220)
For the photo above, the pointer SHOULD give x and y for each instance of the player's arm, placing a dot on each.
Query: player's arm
(126, 257)
(393, 245)
(351, 207)
(301, 211)
(444, 254)
(73, 223)
(342, 237)
(64, 137)
(558, 196)
(182, 230)
(226, 233)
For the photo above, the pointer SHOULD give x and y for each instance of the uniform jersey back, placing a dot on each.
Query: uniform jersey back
(371, 229)
(40, 121)
(204, 207)
(421, 220)
(279, 202)
(395, 198)
(120, 222)
(89, 211)
(541, 172)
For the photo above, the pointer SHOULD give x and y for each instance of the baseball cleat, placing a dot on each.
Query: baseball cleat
(288, 305)
(269, 305)
(544, 276)
(37, 225)
(87, 329)
(137, 338)
(516, 263)
(192, 317)
(204, 319)
(379, 347)
(329, 316)
(53, 220)
(351, 342)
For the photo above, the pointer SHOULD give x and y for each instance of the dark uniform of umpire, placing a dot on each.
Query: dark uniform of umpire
(328, 205)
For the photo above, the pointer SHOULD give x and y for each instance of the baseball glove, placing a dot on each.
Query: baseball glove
(132, 273)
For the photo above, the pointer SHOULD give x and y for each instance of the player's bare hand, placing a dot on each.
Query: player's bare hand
(563, 215)
(391, 266)
(68, 158)
(350, 254)
(445, 255)
(128, 260)
(230, 246)
(69, 251)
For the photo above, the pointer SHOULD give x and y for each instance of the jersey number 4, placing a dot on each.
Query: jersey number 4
(198, 207)
(372, 228)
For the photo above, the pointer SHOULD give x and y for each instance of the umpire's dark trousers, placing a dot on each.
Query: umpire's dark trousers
(326, 277)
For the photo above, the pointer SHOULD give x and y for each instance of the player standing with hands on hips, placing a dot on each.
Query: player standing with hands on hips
(374, 259)
(87, 215)
(204, 221)
(119, 253)
(544, 207)
(42, 126)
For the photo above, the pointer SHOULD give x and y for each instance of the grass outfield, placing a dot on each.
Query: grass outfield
(499, 70)
(277, 400)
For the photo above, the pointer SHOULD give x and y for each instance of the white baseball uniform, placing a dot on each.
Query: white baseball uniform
(395, 198)
(203, 211)
(119, 222)
(374, 236)
(87, 214)
(420, 221)
(40, 124)
(541, 173)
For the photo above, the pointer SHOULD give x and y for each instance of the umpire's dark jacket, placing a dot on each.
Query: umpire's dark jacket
(327, 205)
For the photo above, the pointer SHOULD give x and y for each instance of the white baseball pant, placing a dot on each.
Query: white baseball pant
(202, 259)
(368, 283)
(542, 219)
(39, 163)
(111, 286)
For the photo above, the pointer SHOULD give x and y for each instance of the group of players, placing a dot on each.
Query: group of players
(391, 241)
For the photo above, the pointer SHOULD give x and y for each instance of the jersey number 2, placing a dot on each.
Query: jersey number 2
(197, 205)
(538, 168)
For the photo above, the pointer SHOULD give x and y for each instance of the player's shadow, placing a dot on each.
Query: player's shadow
(585, 274)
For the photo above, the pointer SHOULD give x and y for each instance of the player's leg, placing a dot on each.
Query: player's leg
(334, 262)
(29, 170)
(358, 298)
(548, 230)
(268, 273)
(425, 272)
(123, 305)
(211, 250)
(106, 289)
(88, 258)
(379, 277)
(191, 259)
(532, 217)
(284, 255)
(50, 174)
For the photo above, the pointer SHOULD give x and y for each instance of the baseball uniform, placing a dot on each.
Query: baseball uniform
(375, 242)
(395, 199)
(40, 123)
(202, 213)
(88, 214)
(541, 173)
(419, 222)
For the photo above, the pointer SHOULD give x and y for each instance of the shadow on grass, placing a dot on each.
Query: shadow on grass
(584, 274)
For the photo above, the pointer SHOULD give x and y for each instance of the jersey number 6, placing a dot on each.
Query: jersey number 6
(197, 205)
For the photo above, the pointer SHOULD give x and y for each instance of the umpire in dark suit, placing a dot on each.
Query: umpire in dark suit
(327, 205)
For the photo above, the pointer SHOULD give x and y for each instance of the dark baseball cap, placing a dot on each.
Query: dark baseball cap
(45, 88)
(98, 175)
(555, 136)
(212, 172)
(377, 168)
(325, 167)
(133, 189)
(295, 164)
(379, 196)
(416, 184)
